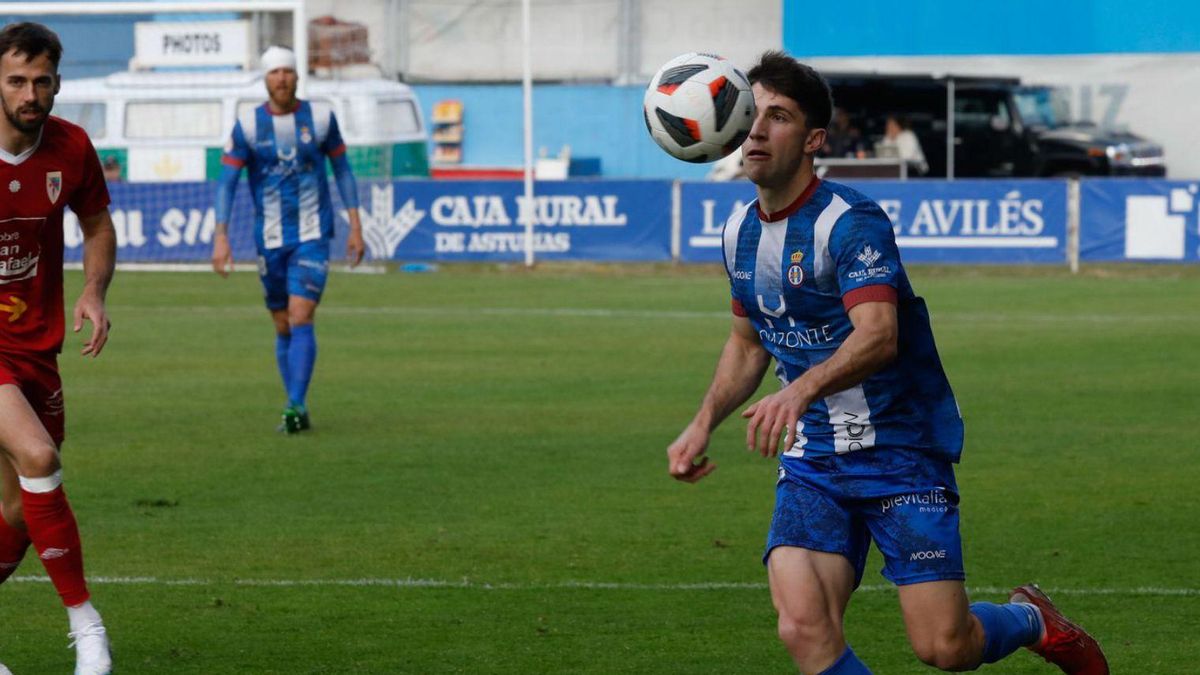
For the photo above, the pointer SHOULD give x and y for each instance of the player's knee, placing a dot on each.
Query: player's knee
(947, 652)
(807, 632)
(37, 459)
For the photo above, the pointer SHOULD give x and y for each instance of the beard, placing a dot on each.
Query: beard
(24, 126)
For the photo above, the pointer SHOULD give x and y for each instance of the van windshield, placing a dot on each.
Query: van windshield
(172, 119)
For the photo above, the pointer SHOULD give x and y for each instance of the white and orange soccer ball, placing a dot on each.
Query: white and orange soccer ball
(698, 107)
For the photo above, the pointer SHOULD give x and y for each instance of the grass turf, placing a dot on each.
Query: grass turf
(487, 460)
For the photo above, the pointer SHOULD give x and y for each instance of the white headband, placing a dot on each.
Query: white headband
(278, 57)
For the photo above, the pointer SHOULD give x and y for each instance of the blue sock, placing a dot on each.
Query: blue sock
(847, 664)
(281, 356)
(1006, 628)
(302, 354)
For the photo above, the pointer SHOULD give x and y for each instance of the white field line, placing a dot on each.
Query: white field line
(640, 314)
(409, 582)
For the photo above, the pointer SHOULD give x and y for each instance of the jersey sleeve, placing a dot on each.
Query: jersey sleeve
(864, 251)
(237, 152)
(91, 197)
(343, 176)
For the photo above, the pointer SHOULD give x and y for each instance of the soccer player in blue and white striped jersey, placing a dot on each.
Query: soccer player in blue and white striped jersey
(283, 145)
(870, 425)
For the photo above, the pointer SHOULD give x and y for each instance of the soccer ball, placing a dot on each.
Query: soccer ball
(698, 107)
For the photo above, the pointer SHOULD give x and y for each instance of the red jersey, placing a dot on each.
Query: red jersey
(60, 170)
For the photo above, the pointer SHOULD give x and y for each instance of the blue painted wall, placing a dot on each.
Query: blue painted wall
(595, 120)
(942, 27)
(93, 46)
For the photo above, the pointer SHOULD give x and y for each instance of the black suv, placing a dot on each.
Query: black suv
(1001, 128)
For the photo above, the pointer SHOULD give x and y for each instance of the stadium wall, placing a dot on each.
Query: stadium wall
(965, 221)
(596, 121)
(1126, 69)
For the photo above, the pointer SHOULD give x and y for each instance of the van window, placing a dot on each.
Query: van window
(89, 115)
(397, 117)
(172, 119)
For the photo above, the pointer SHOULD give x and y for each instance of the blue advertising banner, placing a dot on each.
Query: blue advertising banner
(964, 221)
(414, 220)
(1138, 219)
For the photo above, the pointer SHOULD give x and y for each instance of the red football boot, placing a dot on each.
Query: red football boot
(1063, 643)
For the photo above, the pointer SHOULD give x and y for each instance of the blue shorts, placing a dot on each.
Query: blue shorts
(905, 501)
(294, 270)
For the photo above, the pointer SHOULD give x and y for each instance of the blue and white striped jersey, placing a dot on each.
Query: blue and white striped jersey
(285, 158)
(795, 275)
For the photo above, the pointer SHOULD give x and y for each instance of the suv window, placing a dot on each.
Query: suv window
(980, 109)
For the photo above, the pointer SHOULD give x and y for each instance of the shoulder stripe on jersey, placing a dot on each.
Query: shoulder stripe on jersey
(822, 229)
(322, 113)
(768, 268)
(249, 121)
(729, 236)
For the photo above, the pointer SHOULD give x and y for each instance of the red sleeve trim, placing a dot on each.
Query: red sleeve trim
(338, 151)
(874, 293)
(738, 309)
(229, 160)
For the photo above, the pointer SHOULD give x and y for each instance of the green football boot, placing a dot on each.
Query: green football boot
(295, 420)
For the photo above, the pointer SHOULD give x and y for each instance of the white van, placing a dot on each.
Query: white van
(172, 126)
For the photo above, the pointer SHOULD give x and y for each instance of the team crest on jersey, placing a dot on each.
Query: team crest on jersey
(795, 273)
(305, 135)
(53, 185)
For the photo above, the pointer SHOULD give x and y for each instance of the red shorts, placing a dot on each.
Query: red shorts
(36, 375)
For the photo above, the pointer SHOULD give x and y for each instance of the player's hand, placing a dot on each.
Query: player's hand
(771, 416)
(683, 453)
(222, 254)
(355, 248)
(89, 307)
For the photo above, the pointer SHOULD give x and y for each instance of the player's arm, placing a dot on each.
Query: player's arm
(739, 372)
(232, 162)
(347, 187)
(99, 259)
(871, 345)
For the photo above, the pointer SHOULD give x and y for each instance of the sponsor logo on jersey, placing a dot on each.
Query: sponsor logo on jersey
(53, 185)
(15, 307)
(932, 501)
(928, 555)
(868, 256)
(743, 275)
(52, 553)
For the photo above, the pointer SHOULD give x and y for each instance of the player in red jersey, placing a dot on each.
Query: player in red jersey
(46, 164)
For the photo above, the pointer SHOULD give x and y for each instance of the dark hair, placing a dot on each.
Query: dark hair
(32, 40)
(784, 75)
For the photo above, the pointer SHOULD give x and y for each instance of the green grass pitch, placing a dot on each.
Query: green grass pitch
(485, 487)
